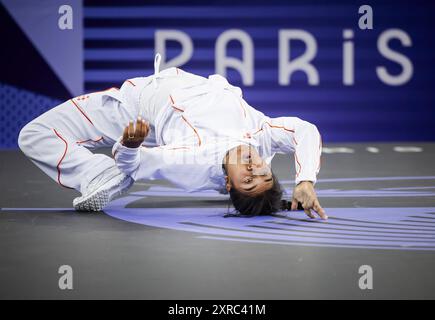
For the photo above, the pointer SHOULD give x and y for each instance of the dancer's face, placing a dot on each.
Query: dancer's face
(247, 171)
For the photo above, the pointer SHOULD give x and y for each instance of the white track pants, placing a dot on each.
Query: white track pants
(59, 141)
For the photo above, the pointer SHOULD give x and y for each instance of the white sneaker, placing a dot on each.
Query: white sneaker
(102, 189)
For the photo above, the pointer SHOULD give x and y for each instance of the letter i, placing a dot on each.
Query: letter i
(348, 57)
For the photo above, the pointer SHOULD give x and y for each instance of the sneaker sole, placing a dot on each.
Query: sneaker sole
(97, 200)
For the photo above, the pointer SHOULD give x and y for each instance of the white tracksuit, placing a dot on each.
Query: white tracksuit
(194, 121)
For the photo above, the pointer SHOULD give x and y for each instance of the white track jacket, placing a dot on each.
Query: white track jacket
(194, 121)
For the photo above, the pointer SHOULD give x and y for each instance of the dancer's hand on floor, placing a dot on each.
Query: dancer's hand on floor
(133, 136)
(305, 194)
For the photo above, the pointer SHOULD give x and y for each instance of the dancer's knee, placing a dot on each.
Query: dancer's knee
(29, 135)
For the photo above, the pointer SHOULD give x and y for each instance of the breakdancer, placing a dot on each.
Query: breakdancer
(198, 133)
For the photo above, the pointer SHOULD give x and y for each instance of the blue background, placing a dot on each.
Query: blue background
(119, 44)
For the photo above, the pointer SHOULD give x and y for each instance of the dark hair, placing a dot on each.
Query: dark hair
(265, 203)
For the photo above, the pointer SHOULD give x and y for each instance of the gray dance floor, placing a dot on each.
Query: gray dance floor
(157, 242)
